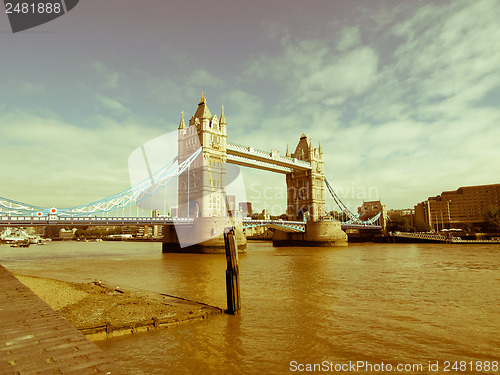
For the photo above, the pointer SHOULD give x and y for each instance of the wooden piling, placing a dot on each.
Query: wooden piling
(232, 273)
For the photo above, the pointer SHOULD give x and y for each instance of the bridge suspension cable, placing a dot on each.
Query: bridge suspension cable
(353, 219)
(18, 208)
(128, 197)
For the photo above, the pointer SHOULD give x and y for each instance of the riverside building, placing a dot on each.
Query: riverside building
(461, 208)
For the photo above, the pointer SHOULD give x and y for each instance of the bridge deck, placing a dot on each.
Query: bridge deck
(29, 221)
(35, 339)
(250, 157)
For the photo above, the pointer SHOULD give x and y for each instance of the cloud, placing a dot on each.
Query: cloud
(319, 73)
(447, 52)
(413, 127)
(29, 88)
(244, 113)
(351, 37)
(179, 90)
(345, 76)
(66, 165)
(203, 78)
(109, 79)
(112, 105)
(291, 64)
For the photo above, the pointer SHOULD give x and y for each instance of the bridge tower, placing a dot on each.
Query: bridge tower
(306, 200)
(201, 190)
(201, 186)
(306, 189)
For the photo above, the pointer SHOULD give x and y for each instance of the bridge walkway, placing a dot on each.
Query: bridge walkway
(35, 339)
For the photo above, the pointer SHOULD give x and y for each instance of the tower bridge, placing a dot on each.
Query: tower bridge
(203, 213)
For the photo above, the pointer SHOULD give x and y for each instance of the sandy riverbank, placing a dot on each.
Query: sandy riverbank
(100, 311)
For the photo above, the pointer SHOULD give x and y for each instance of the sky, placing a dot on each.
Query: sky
(404, 96)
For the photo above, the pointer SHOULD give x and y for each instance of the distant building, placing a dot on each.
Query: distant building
(52, 231)
(231, 203)
(246, 209)
(40, 231)
(371, 209)
(402, 212)
(144, 231)
(156, 228)
(67, 234)
(132, 230)
(458, 209)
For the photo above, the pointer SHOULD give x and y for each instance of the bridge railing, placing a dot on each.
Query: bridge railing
(294, 226)
(290, 222)
(89, 220)
(360, 226)
(251, 150)
(259, 163)
(426, 236)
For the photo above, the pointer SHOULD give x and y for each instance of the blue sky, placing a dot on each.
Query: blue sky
(404, 96)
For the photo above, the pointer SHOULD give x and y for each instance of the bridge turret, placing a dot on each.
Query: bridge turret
(222, 117)
(182, 124)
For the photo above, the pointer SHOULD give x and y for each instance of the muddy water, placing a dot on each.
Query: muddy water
(413, 304)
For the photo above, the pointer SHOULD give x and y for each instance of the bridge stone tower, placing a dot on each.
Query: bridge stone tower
(201, 190)
(306, 189)
(201, 186)
(306, 200)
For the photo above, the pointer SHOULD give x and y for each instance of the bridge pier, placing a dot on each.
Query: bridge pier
(318, 234)
(204, 236)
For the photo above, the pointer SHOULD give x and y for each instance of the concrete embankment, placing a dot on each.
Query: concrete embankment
(101, 311)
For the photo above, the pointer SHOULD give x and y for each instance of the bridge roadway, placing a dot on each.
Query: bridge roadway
(269, 161)
(29, 221)
(35, 339)
(16, 221)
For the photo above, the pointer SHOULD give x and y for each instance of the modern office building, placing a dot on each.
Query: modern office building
(463, 207)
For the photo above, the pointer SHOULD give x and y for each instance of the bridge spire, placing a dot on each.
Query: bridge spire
(182, 124)
(288, 152)
(202, 112)
(222, 117)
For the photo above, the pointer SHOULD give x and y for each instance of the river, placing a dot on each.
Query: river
(382, 304)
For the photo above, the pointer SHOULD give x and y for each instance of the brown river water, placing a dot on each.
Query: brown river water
(323, 309)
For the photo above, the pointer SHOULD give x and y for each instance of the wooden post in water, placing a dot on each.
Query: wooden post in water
(232, 273)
